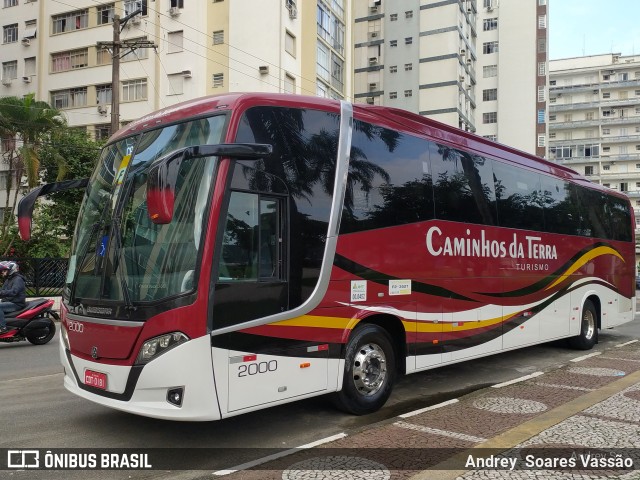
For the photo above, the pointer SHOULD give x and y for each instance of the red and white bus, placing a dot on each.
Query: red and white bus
(246, 250)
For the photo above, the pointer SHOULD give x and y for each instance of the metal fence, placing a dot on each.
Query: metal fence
(44, 276)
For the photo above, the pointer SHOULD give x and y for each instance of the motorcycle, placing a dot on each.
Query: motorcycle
(35, 323)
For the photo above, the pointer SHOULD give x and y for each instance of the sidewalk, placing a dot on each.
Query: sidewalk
(584, 416)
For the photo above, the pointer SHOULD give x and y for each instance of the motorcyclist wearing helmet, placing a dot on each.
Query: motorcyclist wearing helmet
(12, 293)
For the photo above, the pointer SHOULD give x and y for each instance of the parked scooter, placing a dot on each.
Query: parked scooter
(34, 323)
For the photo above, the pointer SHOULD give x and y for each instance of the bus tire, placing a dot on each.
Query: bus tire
(588, 328)
(369, 371)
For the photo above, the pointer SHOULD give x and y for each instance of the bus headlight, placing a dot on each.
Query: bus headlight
(156, 346)
(64, 337)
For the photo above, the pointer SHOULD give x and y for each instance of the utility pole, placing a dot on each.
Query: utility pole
(117, 47)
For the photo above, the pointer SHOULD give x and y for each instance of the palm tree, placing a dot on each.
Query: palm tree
(25, 123)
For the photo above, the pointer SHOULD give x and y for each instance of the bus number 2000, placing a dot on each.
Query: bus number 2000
(255, 368)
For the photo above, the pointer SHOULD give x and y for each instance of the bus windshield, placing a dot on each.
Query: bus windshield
(119, 253)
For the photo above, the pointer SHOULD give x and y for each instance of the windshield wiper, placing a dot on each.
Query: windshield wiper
(128, 303)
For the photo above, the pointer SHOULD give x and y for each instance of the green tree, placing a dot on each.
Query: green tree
(26, 125)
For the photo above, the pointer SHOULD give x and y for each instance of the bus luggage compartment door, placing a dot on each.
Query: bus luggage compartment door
(258, 379)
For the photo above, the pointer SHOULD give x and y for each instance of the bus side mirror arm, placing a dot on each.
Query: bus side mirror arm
(163, 173)
(27, 203)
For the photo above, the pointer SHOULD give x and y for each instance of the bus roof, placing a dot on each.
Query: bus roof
(388, 117)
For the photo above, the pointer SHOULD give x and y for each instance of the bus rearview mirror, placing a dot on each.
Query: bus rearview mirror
(163, 173)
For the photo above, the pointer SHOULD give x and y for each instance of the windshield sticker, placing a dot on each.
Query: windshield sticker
(102, 248)
(119, 178)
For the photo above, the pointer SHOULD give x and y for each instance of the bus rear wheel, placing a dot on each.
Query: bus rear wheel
(370, 371)
(588, 328)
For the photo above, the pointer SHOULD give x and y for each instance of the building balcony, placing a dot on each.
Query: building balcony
(554, 89)
(594, 104)
(620, 139)
(574, 125)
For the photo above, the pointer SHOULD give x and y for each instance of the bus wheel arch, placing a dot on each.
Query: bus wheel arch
(590, 322)
(371, 366)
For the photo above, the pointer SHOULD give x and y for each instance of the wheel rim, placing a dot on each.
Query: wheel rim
(589, 320)
(369, 369)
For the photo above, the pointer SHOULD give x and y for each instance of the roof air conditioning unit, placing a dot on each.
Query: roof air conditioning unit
(469, 61)
(136, 20)
(373, 60)
(26, 79)
(373, 87)
(186, 73)
(373, 34)
(373, 9)
(370, 100)
(102, 110)
(490, 8)
(264, 69)
(461, 78)
(174, 11)
(6, 82)
(26, 42)
(463, 51)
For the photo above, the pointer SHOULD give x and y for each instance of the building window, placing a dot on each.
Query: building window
(10, 3)
(10, 33)
(337, 72)
(606, 167)
(589, 116)
(30, 66)
(134, 90)
(393, 17)
(408, 40)
(493, 138)
(408, 67)
(541, 93)
(541, 113)
(542, 21)
(218, 37)
(102, 132)
(552, 135)
(489, 94)
(103, 56)
(606, 149)
(64, 61)
(542, 69)
(218, 80)
(393, 95)
(488, 3)
(491, 117)
(588, 170)
(542, 45)
(489, 24)
(177, 3)
(68, 22)
(408, 14)
(289, 84)
(408, 93)
(490, 47)
(176, 84)
(323, 62)
(490, 71)
(607, 113)
(103, 94)
(393, 69)
(568, 117)
(137, 54)
(176, 41)
(72, 98)
(105, 14)
(552, 117)
(393, 43)
(542, 2)
(606, 95)
(10, 70)
(289, 43)
(131, 6)
(542, 140)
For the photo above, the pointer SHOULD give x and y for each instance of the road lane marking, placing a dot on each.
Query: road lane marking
(275, 456)
(432, 407)
(9, 380)
(568, 387)
(584, 357)
(518, 380)
(627, 343)
(442, 433)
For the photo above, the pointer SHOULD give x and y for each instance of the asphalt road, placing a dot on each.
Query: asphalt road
(37, 412)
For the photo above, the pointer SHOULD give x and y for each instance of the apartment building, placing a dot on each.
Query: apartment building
(172, 51)
(594, 119)
(480, 66)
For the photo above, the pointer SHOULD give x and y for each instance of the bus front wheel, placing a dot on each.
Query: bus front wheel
(588, 328)
(370, 371)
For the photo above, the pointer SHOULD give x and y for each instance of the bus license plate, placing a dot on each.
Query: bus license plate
(95, 379)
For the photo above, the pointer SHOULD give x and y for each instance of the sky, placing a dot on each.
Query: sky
(592, 27)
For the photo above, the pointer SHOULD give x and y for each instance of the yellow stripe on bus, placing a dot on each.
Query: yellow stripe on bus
(587, 257)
